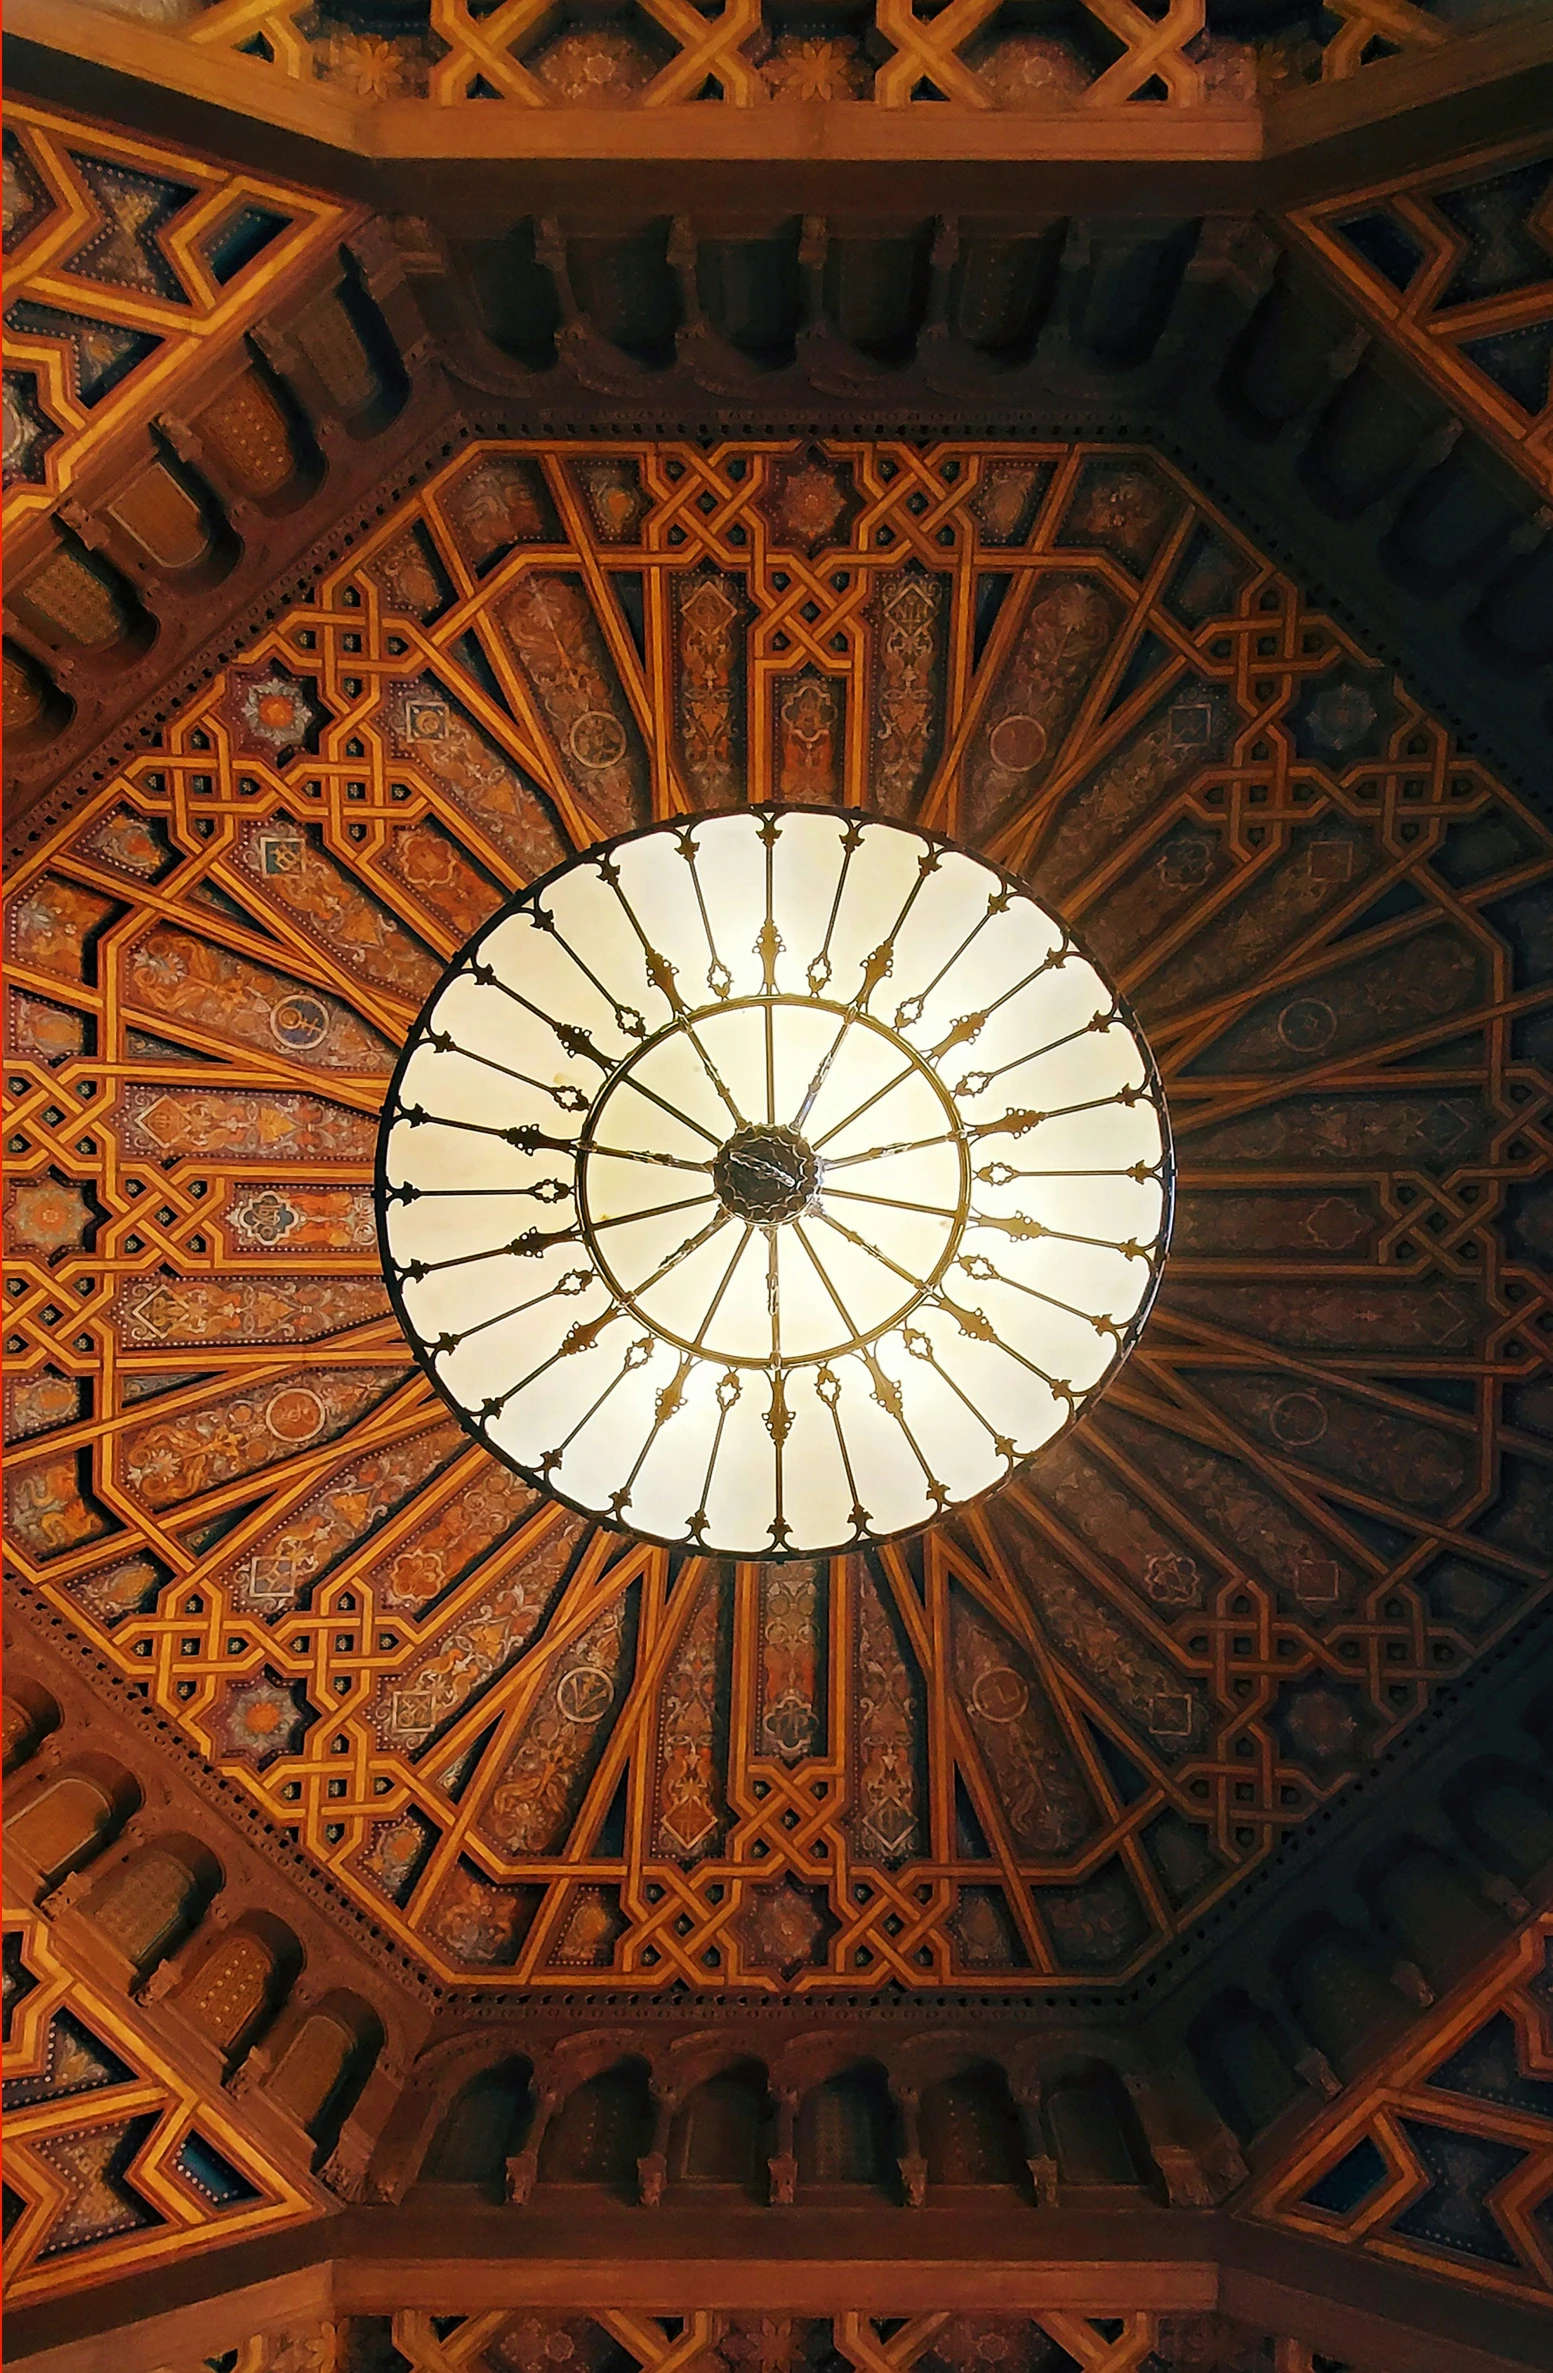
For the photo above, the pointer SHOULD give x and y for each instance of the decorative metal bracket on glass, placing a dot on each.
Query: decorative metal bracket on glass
(773, 1182)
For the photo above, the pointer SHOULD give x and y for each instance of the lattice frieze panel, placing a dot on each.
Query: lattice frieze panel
(1441, 2156)
(1456, 266)
(978, 54)
(114, 2158)
(732, 2342)
(1034, 1746)
(129, 266)
(1058, 2341)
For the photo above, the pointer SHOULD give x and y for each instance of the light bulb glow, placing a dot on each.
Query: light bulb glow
(773, 1182)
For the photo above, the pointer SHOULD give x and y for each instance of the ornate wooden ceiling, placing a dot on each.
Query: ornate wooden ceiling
(1034, 1747)
(114, 2158)
(1200, 1764)
(227, 450)
(1457, 274)
(166, 449)
(110, 321)
(1448, 2146)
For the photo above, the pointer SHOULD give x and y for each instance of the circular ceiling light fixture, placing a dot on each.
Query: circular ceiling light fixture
(770, 1183)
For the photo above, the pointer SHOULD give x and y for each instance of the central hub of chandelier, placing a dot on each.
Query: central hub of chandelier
(773, 1182)
(766, 1173)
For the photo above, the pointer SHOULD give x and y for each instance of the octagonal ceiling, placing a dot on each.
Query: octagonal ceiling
(1028, 1749)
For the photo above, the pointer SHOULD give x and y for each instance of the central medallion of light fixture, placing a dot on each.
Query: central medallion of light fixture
(772, 1182)
(766, 1172)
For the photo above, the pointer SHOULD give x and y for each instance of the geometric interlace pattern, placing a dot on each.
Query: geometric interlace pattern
(1034, 1744)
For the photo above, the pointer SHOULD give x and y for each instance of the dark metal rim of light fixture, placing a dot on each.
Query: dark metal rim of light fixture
(530, 897)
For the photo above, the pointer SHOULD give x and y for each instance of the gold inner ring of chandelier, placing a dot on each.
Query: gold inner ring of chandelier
(773, 1180)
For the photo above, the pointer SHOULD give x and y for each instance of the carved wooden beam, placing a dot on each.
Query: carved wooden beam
(1142, 2277)
(666, 146)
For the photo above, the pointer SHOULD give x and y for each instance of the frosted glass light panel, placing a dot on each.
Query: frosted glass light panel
(773, 1182)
